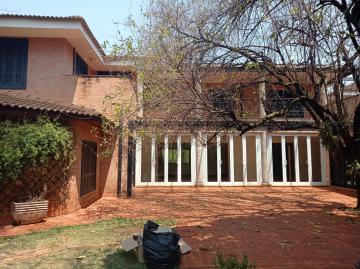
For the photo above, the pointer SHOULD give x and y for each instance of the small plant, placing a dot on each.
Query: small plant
(353, 169)
(38, 197)
(232, 263)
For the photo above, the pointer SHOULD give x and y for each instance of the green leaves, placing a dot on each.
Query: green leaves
(353, 169)
(327, 137)
(31, 146)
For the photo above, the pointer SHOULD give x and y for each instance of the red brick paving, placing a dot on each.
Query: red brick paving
(283, 227)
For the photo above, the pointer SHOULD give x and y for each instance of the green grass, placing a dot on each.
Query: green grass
(95, 245)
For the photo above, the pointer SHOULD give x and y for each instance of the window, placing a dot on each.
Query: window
(80, 67)
(13, 63)
(88, 167)
(280, 99)
(222, 99)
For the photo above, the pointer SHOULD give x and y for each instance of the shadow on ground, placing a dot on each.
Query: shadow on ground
(122, 259)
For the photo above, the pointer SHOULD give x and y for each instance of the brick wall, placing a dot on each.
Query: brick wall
(49, 70)
(49, 76)
(87, 130)
(100, 93)
(107, 166)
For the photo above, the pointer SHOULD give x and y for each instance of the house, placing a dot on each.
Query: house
(266, 155)
(55, 65)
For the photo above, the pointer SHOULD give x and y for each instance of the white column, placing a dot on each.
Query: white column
(264, 158)
(178, 142)
(283, 155)
(309, 161)
(153, 159)
(193, 159)
(270, 159)
(218, 157)
(262, 96)
(200, 155)
(296, 153)
(258, 159)
(232, 162)
(166, 158)
(324, 159)
(205, 165)
(243, 140)
(138, 161)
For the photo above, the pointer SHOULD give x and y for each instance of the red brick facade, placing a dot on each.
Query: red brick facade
(50, 77)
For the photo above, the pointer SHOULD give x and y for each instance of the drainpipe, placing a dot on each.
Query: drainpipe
(120, 141)
(130, 166)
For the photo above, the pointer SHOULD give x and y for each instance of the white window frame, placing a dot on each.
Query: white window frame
(153, 182)
(309, 135)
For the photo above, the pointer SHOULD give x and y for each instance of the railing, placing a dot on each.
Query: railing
(276, 104)
(101, 92)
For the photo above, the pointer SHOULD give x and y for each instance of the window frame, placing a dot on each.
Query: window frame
(22, 50)
(222, 99)
(88, 179)
(78, 64)
(278, 99)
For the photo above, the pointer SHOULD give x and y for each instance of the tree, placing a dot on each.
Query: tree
(307, 48)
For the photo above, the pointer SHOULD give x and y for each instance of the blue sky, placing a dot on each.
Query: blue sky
(100, 15)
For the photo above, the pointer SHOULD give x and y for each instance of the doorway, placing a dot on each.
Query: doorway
(225, 162)
(278, 159)
(277, 162)
(212, 162)
(290, 162)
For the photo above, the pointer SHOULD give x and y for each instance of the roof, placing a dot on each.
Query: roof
(28, 102)
(60, 18)
(72, 28)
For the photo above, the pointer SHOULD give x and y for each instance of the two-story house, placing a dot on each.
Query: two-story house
(55, 65)
(267, 155)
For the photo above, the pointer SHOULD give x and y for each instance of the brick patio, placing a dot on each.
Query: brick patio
(280, 227)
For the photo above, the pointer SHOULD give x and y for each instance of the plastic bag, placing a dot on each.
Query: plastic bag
(161, 248)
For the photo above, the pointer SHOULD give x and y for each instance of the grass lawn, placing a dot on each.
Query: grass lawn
(95, 245)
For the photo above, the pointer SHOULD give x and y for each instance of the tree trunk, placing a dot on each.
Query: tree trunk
(357, 186)
(356, 150)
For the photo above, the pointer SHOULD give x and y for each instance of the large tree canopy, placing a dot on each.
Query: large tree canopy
(297, 44)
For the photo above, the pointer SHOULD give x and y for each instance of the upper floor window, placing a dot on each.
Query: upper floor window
(13, 63)
(280, 99)
(222, 99)
(80, 67)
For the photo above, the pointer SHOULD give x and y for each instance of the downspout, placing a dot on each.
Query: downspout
(130, 166)
(120, 141)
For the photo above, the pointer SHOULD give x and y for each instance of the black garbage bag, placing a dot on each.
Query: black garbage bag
(161, 249)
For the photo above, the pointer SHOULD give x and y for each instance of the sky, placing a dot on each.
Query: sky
(104, 17)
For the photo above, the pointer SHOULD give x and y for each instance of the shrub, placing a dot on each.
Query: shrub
(233, 263)
(31, 147)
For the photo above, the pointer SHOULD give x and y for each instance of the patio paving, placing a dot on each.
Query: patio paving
(282, 227)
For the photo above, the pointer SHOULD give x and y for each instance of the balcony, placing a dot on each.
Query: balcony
(278, 103)
(102, 93)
